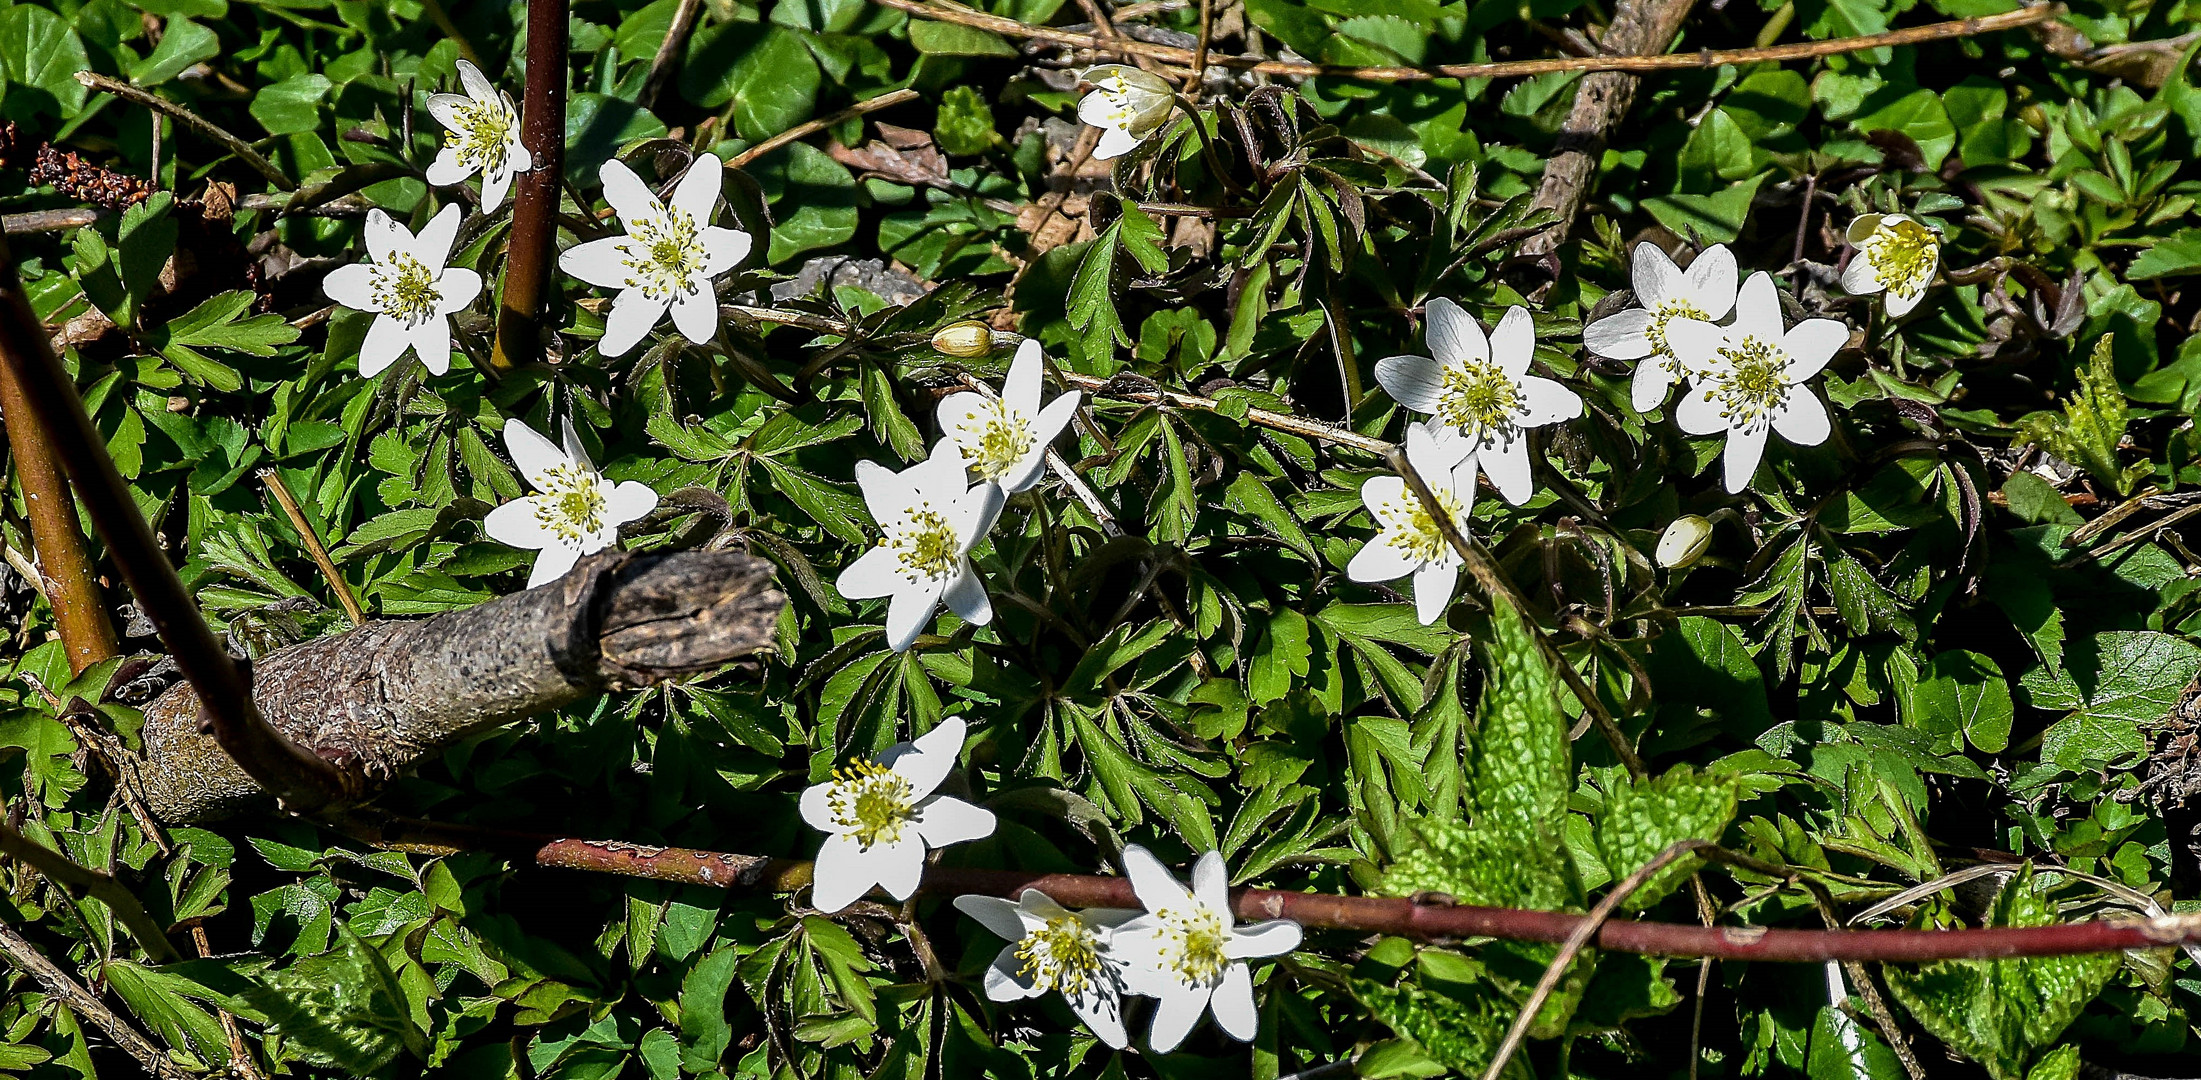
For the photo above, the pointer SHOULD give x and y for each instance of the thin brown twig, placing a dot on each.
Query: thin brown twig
(80, 880)
(65, 571)
(532, 246)
(39, 221)
(243, 150)
(26, 957)
(297, 515)
(812, 127)
(1573, 946)
(1505, 69)
(669, 52)
(1200, 50)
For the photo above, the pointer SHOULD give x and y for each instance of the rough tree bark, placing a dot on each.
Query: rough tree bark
(1639, 27)
(377, 699)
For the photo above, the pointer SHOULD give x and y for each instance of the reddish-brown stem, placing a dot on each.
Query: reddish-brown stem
(304, 781)
(1362, 914)
(533, 245)
(80, 613)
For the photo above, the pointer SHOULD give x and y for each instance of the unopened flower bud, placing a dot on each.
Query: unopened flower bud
(1684, 541)
(966, 340)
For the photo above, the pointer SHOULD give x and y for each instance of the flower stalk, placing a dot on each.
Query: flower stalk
(533, 248)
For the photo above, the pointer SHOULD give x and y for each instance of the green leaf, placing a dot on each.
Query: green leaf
(293, 106)
(1710, 219)
(215, 323)
(1963, 691)
(1519, 768)
(1644, 817)
(182, 44)
(163, 1001)
(954, 39)
(824, 196)
(1462, 1036)
(1920, 116)
(765, 70)
(1843, 1049)
(965, 124)
(39, 51)
(2178, 253)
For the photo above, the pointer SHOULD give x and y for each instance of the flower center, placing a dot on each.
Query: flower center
(1479, 399)
(405, 289)
(1903, 256)
(1117, 93)
(485, 135)
(571, 504)
(926, 545)
(1754, 383)
(995, 439)
(1409, 526)
(1661, 317)
(871, 802)
(662, 255)
(1062, 955)
(1192, 944)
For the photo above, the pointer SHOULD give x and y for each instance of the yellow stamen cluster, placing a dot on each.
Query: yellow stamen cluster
(571, 504)
(485, 135)
(1478, 398)
(994, 439)
(925, 545)
(663, 256)
(871, 802)
(1903, 255)
(1192, 938)
(1062, 955)
(1409, 526)
(1754, 382)
(405, 289)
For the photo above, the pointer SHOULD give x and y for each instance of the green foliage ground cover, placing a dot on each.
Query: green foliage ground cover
(1927, 644)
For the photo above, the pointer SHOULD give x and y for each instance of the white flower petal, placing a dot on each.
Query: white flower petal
(876, 573)
(387, 339)
(1115, 142)
(926, 760)
(1005, 977)
(723, 249)
(1380, 560)
(456, 290)
(552, 564)
(1698, 413)
(844, 872)
(535, 455)
(351, 285)
(1803, 420)
(1900, 303)
(1696, 343)
(447, 170)
(386, 239)
(1150, 880)
(900, 866)
(1546, 401)
(1233, 1004)
(1413, 381)
(1858, 278)
(816, 807)
(1745, 448)
(1004, 918)
(632, 316)
(1655, 277)
(1648, 386)
(1712, 281)
(602, 263)
(1020, 391)
(1513, 343)
(966, 596)
(1102, 1011)
(1176, 1016)
(495, 183)
(1431, 458)
(447, 108)
(1454, 336)
(1864, 225)
(1813, 342)
(697, 193)
(945, 820)
(1211, 884)
(433, 245)
(1271, 937)
(909, 612)
(975, 512)
(630, 501)
(958, 410)
(1623, 335)
(516, 523)
(1433, 586)
(627, 194)
(1757, 310)
(1508, 467)
(888, 494)
(477, 84)
(432, 343)
(696, 314)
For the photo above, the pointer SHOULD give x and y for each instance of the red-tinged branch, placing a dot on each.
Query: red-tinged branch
(80, 612)
(1362, 914)
(533, 247)
(302, 780)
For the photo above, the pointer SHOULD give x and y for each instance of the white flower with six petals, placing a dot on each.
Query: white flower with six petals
(1189, 951)
(485, 138)
(575, 511)
(668, 258)
(1706, 291)
(1408, 542)
(1895, 254)
(932, 517)
(1479, 389)
(1127, 105)
(409, 288)
(881, 817)
(1004, 439)
(1751, 377)
(1053, 948)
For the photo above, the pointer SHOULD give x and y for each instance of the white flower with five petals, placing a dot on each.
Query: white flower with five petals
(881, 817)
(1478, 388)
(1189, 951)
(1126, 104)
(1706, 291)
(932, 517)
(1004, 439)
(1896, 255)
(1752, 377)
(1054, 948)
(668, 258)
(575, 511)
(409, 288)
(485, 137)
(1408, 542)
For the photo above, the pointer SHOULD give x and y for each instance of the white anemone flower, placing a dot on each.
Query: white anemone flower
(1408, 542)
(1126, 104)
(1706, 291)
(485, 137)
(932, 517)
(1896, 255)
(1752, 378)
(668, 258)
(1004, 439)
(1054, 948)
(1479, 388)
(881, 817)
(410, 290)
(1190, 952)
(575, 511)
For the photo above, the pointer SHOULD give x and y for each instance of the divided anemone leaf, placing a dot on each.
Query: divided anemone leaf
(2092, 424)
